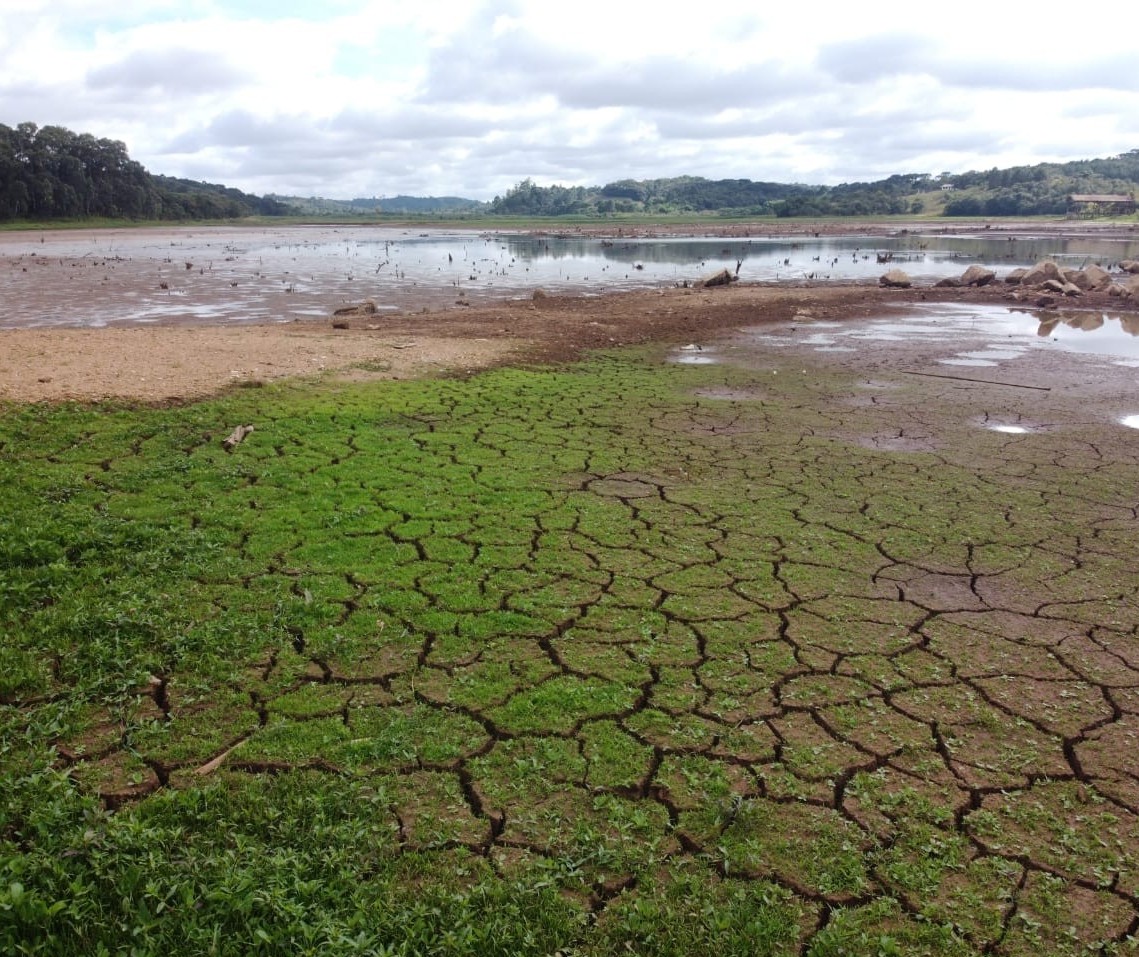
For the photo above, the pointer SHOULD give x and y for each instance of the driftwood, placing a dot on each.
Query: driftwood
(962, 378)
(721, 278)
(365, 308)
(236, 437)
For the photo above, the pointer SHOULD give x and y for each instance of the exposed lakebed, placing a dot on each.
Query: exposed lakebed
(241, 275)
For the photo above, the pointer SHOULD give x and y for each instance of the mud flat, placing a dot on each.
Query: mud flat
(180, 361)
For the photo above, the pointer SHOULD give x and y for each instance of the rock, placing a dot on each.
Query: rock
(947, 283)
(1014, 277)
(977, 276)
(538, 294)
(1042, 272)
(1071, 289)
(895, 279)
(1045, 302)
(1130, 265)
(1054, 285)
(721, 278)
(1131, 289)
(1115, 290)
(1097, 277)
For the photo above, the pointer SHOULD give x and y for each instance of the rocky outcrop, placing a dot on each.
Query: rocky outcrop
(895, 279)
(1127, 290)
(1041, 273)
(1067, 282)
(1130, 265)
(1062, 287)
(977, 276)
(1097, 277)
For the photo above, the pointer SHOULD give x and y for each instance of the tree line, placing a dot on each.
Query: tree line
(1041, 189)
(52, 173)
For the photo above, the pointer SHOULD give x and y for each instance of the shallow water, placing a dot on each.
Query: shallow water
(227, 275)
(989, 335)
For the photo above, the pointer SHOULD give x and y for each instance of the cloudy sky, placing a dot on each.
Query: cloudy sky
(345, 98)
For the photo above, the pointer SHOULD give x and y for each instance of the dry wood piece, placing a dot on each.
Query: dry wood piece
(236, 437)
(365, 308)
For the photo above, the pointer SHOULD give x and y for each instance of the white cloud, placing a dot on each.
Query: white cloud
(373, 97)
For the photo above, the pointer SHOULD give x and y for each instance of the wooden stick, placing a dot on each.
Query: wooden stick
(236, 437)
(962, 378)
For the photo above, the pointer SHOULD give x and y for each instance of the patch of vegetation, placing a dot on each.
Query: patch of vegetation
(568, 660)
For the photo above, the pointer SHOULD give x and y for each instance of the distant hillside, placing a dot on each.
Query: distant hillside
(403, 205)
(52, 173)
(421, 204)
(1042, 189)
(680, 194)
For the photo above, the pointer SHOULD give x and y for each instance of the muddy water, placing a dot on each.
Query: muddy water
(231, 275)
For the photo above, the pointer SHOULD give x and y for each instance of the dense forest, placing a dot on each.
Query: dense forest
(681, 194)
(49, 173)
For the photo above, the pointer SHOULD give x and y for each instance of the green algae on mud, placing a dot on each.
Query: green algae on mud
(619, 654)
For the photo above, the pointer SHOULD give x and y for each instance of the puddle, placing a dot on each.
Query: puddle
(993, 354)
(694, 355)
(1008, 429)
(1131, 421)
(988, 334)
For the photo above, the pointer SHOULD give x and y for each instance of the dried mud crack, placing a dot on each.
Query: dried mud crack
(623, 630)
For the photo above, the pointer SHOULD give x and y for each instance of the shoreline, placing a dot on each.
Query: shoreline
(170, 364)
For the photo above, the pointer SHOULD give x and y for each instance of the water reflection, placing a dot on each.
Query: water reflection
(965, 334)
(1092, 332)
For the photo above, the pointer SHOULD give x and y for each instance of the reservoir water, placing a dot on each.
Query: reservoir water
(237, 275)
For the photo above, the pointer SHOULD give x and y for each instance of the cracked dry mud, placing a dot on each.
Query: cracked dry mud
(771, 619)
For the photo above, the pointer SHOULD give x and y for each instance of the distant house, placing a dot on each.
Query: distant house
(1104, 204)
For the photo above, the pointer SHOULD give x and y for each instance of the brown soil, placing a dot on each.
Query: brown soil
(171, 363)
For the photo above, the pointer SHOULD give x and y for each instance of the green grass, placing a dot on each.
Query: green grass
(546, 661)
